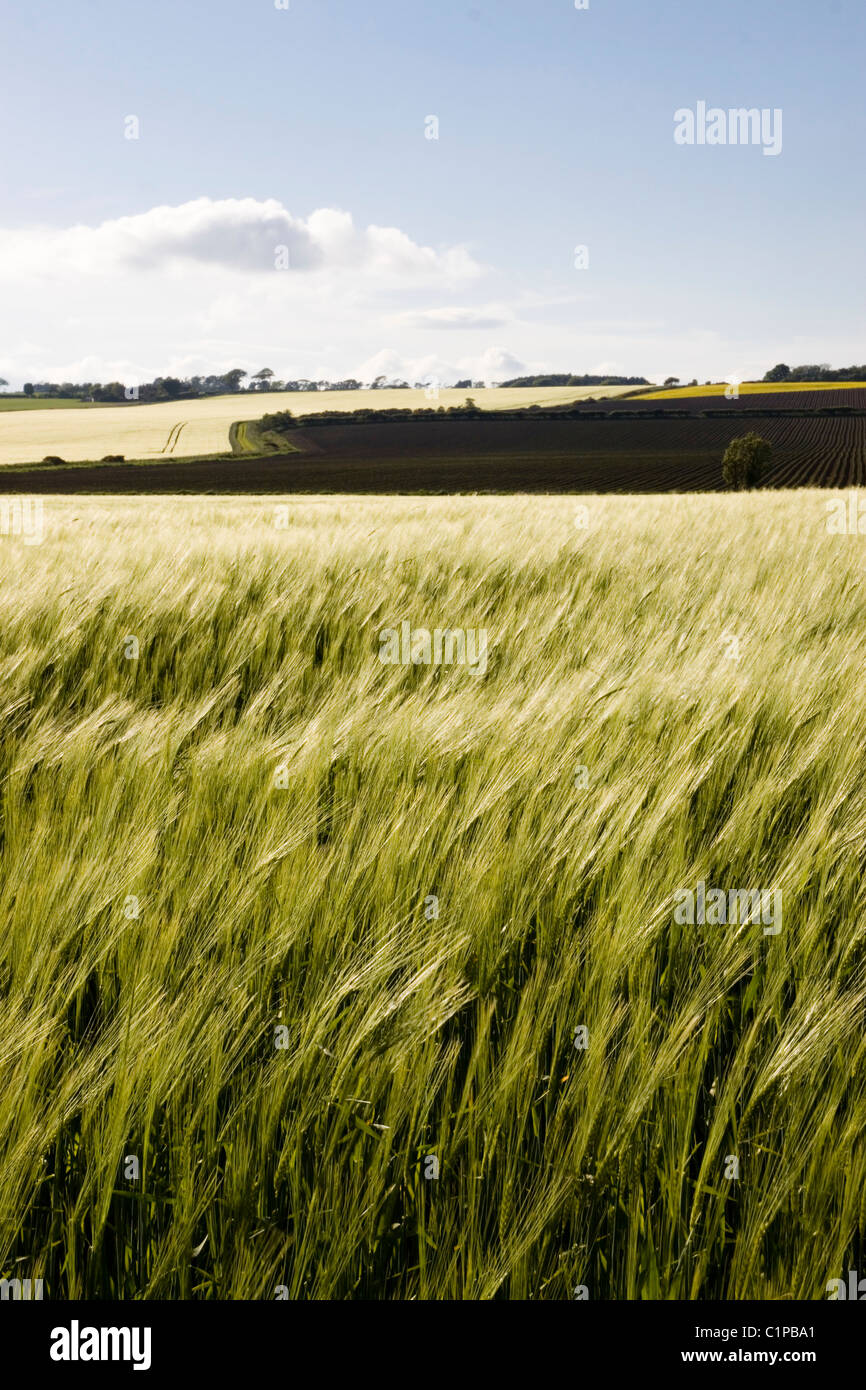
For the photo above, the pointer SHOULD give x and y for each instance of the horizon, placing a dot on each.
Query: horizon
(304, 385)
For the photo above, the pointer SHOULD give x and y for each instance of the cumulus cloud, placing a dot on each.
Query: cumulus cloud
(194, 288)
(244, 235)
(494, 364)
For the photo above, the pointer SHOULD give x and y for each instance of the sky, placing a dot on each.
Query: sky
(206, 184)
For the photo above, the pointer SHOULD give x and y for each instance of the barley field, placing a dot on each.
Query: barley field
(185, 429)
(328, 978)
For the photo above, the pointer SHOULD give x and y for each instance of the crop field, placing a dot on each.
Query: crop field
(625, 454)
(853, 398)
(43, 403)
(538, 453)
(332, 978)
(189, 428)
(754, 388)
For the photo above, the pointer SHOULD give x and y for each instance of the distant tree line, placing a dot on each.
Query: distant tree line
(162, 388)
(173, 388)
(822, 372)
(566, 380)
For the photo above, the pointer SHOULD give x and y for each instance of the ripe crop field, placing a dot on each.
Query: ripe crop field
(188, 428)
(299, 948)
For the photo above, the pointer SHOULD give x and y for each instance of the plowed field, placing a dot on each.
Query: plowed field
(534, 454)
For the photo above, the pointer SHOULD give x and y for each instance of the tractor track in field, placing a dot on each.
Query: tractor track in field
(173, 436)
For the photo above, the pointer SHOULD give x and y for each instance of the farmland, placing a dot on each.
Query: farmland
(42, 403)
(811, 398)
(284, 924)
(623, 451)
(193, 427)
(752, 388)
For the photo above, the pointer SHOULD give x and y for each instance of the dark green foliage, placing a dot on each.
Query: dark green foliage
(811, 372)
(566, 379)
(746, 461)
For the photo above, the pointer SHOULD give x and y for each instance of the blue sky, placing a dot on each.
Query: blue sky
(124, 257)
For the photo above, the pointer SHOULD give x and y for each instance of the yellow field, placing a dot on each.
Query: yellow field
(753, 388)
(186, 428)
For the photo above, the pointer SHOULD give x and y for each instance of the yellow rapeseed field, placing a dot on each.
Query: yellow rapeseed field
(753, 388)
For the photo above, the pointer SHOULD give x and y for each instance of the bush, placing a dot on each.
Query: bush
(745, 461)
(113, 458)
(53, 458)
(279, 420)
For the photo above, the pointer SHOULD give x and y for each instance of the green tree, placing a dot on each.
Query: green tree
(746, 460)
(232, 380)
(780, 372)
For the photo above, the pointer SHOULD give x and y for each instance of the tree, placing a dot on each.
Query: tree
(114, 391)
(28, 388)
(745, 461)
(232, 380)
(780, 372)
(3, 381)
(264, 377)
(671, 380)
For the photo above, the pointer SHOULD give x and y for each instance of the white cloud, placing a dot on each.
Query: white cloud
(494, 364)
(240, 235)
(198, 288)
(453, 317)
(194, 289)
